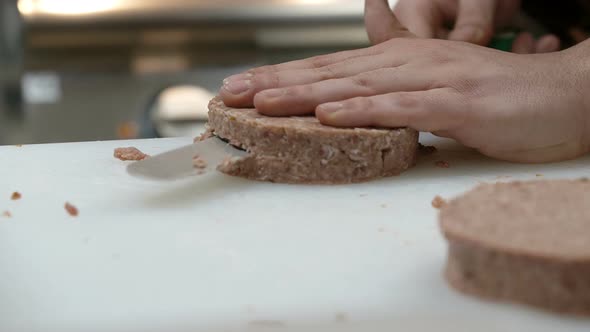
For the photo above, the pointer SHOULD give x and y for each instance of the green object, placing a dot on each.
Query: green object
(503, 41)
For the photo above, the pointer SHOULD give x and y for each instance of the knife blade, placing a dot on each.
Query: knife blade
(178, 163)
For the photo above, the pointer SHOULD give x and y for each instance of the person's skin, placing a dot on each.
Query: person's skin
(515, 107)
(473, 21)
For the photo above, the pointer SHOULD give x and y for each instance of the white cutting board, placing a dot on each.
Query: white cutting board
(224, 254)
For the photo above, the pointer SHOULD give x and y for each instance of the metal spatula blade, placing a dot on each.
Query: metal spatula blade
(178, 163)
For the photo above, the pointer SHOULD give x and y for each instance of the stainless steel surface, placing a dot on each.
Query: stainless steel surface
(178, 163)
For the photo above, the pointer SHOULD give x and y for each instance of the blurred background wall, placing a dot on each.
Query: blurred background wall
(91, 70)
(75, 70)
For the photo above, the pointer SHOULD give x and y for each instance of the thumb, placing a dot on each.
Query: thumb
(381, 23)
(475, 21)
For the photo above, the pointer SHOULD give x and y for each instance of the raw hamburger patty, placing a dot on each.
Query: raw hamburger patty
(527, 242)
(301, 150)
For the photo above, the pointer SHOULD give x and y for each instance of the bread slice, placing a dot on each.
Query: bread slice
(301, 150)
(527, 242)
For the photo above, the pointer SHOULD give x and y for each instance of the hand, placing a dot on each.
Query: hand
(474, 21)
(523, 108)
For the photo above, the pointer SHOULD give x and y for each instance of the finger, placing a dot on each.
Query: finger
(381, 23)
(237, 90)
(475, 21)
(430, 110)
(547, 44)
(578, 35)
(505, 12)
(323, 60)
(303, 99)
(524, 44)
(420, 17)
(264, 80)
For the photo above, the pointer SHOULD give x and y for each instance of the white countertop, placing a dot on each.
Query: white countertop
(225, 254)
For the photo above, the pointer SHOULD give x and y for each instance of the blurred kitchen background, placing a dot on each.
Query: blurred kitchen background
(77, 70)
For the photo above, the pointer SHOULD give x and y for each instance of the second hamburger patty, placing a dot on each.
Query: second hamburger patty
(527, 242)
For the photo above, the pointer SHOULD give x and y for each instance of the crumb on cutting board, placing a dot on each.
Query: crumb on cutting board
(6, 214)
(207, 134)
(199, 163)
(129, 153)
(438, 202)
(442, 164)
(71, 209)
(16, 196)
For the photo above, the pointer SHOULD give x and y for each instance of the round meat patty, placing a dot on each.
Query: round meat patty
(301, 150)
(527, 242)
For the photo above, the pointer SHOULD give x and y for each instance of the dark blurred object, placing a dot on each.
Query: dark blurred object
(10, 55)
(569, 20)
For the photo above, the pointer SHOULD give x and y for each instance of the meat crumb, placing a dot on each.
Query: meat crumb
(207, 134)
(226, 162)
(129, 153)
(16, 196)
(438, 202)
(71, 209)
(199, 163)
(6, 214)
(427, 149)
(442, 164)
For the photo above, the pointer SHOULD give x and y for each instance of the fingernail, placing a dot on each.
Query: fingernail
(237, 84)
(330, 108)
(273, 93)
